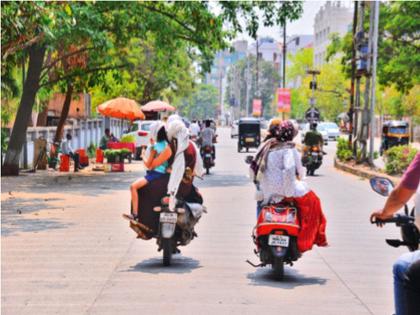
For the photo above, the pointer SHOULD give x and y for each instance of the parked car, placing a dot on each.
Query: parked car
(319, 128)
(332, 130)
(141, 129)
(234, 129)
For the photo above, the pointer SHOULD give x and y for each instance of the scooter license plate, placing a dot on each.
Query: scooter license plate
(278, 240)
(208, 155)
(166, 217)
(249, 139)
(314, 154)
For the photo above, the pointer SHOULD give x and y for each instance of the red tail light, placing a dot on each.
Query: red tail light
(142, 133)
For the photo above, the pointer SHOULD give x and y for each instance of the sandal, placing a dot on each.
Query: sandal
(140, 233)
(128, 217)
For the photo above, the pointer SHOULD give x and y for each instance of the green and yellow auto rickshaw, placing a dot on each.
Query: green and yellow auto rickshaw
(394, 132)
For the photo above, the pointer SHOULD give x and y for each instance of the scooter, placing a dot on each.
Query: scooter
(207, 156)
(176, 228)
(312, 159)
(275, 237)
(409, 232)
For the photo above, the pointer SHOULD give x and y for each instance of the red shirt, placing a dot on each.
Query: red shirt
(411, 176)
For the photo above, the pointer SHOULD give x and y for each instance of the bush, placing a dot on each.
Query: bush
(128, 139)
(344, 151)
(398, 158)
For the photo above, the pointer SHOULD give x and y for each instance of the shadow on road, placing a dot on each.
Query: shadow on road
(179, 264)
(14, 211)
(292, 279)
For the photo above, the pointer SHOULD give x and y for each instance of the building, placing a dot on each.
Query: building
(333, 17)
(223, 60)
(268, 50)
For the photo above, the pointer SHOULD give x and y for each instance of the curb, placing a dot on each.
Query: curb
(368, 174)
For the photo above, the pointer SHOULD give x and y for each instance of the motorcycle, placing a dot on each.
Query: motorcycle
(409, 232)
(207, 155)
(275, 237)
(176, 228)
(312, 159)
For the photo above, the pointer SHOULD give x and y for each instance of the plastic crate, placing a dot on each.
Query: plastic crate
(64, 163)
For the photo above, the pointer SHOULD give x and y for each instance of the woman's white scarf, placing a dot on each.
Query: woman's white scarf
(154, 129)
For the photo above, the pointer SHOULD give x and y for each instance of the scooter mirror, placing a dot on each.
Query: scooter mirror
(381, 185)
(248, 159)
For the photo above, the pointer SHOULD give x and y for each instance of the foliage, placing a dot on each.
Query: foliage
(4, 139)
(344, 150)
(267, 82)
(300, 63)
(201, 104)
(398, 158)
(398, 46)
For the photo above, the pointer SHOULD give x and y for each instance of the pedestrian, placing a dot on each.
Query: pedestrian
(103, 144)
(67, 149)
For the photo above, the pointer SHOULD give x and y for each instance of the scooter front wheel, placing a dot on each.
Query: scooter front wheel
(167, 251)
(278, 268)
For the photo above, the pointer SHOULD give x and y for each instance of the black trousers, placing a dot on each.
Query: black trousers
(75, 157)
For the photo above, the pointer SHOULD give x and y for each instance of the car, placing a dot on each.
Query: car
(234, 129)
(332, 130)
(141, 130)
(319, 128)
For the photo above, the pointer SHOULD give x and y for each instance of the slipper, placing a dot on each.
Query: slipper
(140, 233)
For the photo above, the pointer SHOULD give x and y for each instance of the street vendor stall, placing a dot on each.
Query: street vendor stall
(122, 108)
(153, 109)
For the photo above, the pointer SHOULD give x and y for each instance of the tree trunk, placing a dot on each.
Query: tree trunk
(30, 88)
(64, 113)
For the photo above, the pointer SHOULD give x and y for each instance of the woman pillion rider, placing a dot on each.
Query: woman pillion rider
(184, 164)
(278, 174)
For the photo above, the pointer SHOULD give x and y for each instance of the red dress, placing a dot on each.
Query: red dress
(312, 222)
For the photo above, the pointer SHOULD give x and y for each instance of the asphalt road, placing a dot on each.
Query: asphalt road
(70, 252)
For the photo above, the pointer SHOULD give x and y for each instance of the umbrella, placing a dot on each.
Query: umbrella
(121, 107)
(157, 106)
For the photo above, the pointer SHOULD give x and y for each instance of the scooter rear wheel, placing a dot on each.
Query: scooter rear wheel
(278, 268)
(167, 251)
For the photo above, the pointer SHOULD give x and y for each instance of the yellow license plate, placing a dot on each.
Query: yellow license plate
(249, 139)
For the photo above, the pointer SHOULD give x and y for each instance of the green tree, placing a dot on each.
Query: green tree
(201, 104)
(268, 80)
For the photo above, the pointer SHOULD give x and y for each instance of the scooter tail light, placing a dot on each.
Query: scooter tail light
(142, 133)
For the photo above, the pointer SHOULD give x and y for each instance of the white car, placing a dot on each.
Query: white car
(234, 129)
(141, 130)
(319, 128)
(332, 130)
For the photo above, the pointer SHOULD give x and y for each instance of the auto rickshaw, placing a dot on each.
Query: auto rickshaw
(394, 132)
(249, 133)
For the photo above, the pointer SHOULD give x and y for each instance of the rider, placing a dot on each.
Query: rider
(194, 129)
(313, 137)
(406, 269)
(207, 138)
(274, 171)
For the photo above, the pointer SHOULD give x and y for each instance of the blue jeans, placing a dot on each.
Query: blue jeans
(399, 270)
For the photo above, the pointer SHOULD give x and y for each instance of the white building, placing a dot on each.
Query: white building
(333, 17)
(269, 50)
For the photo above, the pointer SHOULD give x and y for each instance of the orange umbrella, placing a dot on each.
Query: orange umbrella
(121, 107)
(157, 106)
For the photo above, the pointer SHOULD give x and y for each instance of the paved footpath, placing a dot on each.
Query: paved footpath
(66, 250)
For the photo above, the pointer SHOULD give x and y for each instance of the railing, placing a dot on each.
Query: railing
(84, 133)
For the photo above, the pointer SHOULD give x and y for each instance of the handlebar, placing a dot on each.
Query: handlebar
(399, 219)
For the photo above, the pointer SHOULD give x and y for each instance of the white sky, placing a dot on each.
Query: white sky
(304, 25)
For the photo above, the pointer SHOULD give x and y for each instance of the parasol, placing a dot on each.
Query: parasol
(121, 107)
(157, 106)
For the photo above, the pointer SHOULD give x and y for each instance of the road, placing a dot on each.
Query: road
(68, 251)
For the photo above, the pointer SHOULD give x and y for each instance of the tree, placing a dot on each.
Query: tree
(201, 104)
(39, 30)
(268, 81)
(398, 46)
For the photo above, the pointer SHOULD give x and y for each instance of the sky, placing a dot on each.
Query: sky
(304, 25)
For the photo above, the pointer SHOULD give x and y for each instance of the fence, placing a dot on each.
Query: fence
(84, 133)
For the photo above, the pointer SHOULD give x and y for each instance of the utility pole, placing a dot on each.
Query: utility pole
(353, 74)
(375, 13)
(284, 54)
(312, 113)
(248, 80)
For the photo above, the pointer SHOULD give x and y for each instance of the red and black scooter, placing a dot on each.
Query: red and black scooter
(275, 236)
